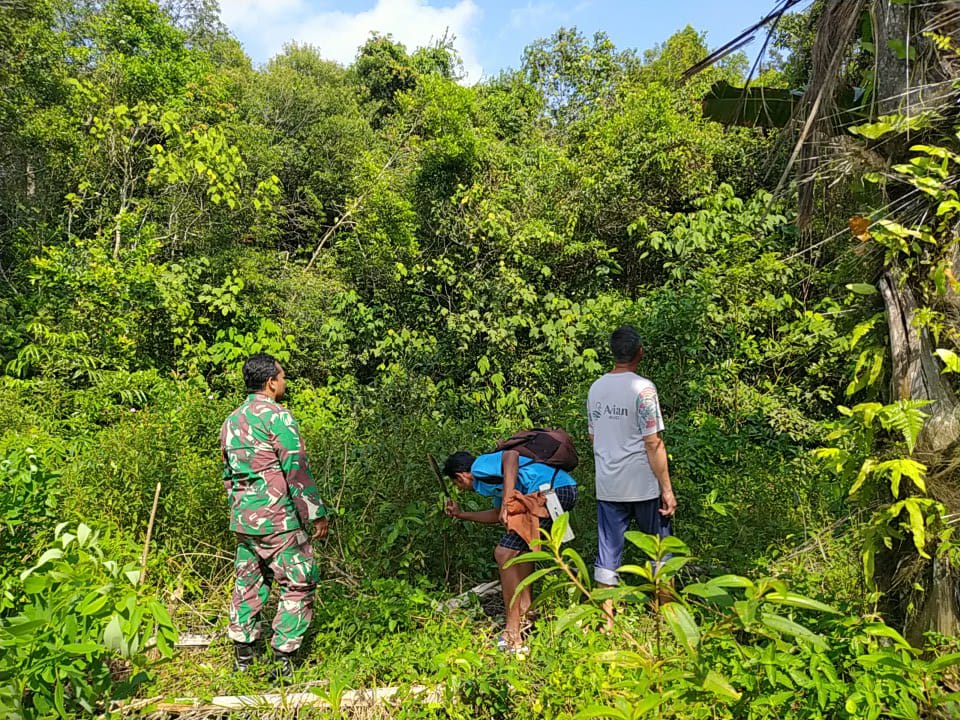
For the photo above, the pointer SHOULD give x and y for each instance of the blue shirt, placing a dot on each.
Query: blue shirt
(488, 476)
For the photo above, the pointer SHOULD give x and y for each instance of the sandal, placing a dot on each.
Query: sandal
(504, 645)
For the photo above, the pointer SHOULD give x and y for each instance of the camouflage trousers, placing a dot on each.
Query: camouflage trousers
(261, 559)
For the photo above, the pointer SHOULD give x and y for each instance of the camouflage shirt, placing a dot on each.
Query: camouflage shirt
(265, 470)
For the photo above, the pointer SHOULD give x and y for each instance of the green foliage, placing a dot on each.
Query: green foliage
(742, 647)
(82, 633)
(29, 499)
(574, 75)
(435, 265)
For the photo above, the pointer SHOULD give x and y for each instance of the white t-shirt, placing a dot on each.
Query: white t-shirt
(622, 409)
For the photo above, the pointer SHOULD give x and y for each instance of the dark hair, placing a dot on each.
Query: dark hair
(624, 343)
(258, 369)
(460, 461)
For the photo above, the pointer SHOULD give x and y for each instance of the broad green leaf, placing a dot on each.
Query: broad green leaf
(624, 658)
(643, 571)
(868, 410)
(717, 684)
(862, 288)
(113, 635)
(757, 106)
(787, 626)
(559, 528)
(869, 565)
(713, 594)
(534, 556)
(674, 545)
(872, 131)
(578, 562)
(730, 581)
(683, 625)
(36, 584)
(799, 601)
(882, 630)
(865, 470)
(647, 543)
(672, 566)
(885, 658)
(751, 106)
(936, 151)
(530, 579)
(862, 329)
(900, 467)
(901, 49)
(92, 604)
(20, 627)
(51, 554)
(891, 123)
(944, 661)
(950, 359)
(917, 526)
(83, 648)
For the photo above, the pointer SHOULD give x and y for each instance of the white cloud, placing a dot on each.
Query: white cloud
(264, 26)
(532, 14)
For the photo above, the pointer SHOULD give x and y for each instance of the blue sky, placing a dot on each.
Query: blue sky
(490, 34)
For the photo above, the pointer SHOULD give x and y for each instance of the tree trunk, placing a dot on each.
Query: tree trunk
(916, 376)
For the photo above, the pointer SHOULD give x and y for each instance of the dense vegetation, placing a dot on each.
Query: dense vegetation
(438, 265)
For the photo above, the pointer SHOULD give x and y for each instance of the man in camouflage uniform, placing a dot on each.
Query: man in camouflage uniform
(274, 504)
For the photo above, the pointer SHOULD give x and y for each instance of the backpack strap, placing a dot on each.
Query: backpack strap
(553, 479)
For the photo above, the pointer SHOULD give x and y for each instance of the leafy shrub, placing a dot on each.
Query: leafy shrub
(28, 503)
(732, 647)
(82, 633)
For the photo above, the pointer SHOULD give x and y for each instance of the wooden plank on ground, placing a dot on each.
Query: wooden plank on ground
(351, 699)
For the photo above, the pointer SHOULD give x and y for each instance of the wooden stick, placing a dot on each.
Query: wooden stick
(146, 543)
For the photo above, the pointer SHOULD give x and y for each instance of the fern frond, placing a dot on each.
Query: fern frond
(907, 418)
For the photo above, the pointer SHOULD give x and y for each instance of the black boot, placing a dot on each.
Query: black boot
(282, 666)
(245, 655)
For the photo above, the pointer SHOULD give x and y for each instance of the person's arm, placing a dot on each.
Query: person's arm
(589, 420)
(489, 517)
(510, 466)
(296, 469)
(225, 473)
(657, 457)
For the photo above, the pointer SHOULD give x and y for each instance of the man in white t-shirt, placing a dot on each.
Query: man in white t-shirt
(633, 478)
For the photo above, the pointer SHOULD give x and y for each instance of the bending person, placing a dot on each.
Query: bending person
(497, 475)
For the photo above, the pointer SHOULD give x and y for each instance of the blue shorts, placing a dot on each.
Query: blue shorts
(567, 495)
(613, 520)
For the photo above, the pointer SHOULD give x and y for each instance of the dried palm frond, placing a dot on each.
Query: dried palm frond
(836, 28)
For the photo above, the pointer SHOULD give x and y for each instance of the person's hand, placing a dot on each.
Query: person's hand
(503, 514)
(668, 504)
(320, 528)
(452, 509)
